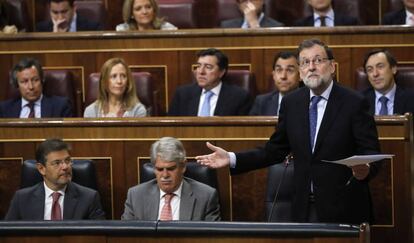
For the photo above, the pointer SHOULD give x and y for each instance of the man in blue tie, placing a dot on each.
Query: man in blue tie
(321, 121)
(210, 96)
(385, 96)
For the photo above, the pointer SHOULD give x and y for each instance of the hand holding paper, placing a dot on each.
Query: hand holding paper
(360, 159)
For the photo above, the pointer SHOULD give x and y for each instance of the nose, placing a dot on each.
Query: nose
(375, 72)
(283, 75)
(312, 65)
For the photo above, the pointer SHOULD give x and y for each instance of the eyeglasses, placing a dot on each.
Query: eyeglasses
(59, 163)
(305, 63)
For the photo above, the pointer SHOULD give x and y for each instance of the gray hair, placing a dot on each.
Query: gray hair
(168, 149)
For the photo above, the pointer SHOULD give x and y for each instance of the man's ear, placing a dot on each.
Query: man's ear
(41, 168)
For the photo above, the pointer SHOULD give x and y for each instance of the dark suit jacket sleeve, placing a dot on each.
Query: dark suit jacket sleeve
(66, 108)
(13, 212)
(256, 107)
(95, 210)
(394, 18)
(213, 208)
(176, 104)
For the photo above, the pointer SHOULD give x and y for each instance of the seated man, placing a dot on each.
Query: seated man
(385, 96)
(286, 78)
(254, 17)
(210, 96)
(171, 196)
(45, 200)
(403, 16)
(63, 18)
(324, 15)
(27, 76)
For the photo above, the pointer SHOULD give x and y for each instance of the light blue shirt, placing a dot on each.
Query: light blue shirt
(25, 110)
(72, 27)
(390, 104)
(329, 20)
(213, 99)
(245, 25)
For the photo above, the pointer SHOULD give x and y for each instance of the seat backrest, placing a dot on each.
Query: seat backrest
(227, 9)
(144, 88)
(404, 78)
(83, 173)
(242, 78)
(180, 13)
(283, 205)
(193, 171)
(94, 10)
(19, 14)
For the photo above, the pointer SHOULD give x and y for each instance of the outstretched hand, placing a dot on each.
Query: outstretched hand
(218, 159)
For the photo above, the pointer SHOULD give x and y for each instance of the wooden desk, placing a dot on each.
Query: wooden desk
(117, 146)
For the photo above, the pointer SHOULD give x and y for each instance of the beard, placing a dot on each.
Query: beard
(314, 82)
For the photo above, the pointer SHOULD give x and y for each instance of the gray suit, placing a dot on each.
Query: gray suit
(198, 202)
(79, 203)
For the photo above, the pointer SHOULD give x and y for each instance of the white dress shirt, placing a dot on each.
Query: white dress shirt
(25, 110)
(175, 203)
(329, 20)
(49, 201)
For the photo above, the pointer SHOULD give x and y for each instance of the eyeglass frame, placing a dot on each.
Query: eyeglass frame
(59, 162)
(305, 63)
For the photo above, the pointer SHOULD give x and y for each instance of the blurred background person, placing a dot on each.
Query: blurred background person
(253, 16)
(403, 16)
(5, 26)
(286, 78)
(142, 15)
(117, 93)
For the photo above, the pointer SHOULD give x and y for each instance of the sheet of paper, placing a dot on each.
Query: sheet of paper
(360, 159)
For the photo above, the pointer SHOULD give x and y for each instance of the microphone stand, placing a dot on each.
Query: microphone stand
(288, 158)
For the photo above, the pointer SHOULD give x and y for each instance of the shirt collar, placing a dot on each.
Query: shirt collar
(36, 103)
(176, 193)
(325, 95)
(330, 15)
(48, 191)
(215, 90)
(390, 94)
(259, 20)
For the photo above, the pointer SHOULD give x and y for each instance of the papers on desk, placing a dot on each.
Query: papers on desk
(360, 159)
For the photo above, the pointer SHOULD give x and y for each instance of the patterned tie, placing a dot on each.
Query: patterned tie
(322, 19)
(166, 212)
(205, 109)
(384, 108)
(313, 118)
(32, 111)
(56, 211)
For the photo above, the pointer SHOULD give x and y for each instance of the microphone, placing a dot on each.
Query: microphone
(286, 162)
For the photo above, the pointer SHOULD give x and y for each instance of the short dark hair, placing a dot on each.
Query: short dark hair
(223, 60)
(312, 42)
(71, 2)
(283, 55)
(25, 63)
(48, 146)
(390, 58)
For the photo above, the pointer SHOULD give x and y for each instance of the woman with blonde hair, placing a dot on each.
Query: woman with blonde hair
(117, 95)
(142, 15)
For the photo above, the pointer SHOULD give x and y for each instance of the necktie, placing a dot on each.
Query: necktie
(166, 212)
(32, 111)
(384, 108)
(313, 118)
(205, 109)
(56, 211)
(322, 19)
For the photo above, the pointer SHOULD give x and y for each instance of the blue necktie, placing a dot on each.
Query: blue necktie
(205, 109)
(384, 108)
(313, 118)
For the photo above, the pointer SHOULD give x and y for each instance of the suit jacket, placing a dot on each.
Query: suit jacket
(395, 18)
(237, 23)
(79, 203)
(82, 24)
(232, 101)
(265, 104)
(339, 20)
(403, 101)
(198, 202)
(346, 129)
(51, 106)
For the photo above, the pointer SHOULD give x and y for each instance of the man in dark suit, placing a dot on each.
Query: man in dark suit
(44, 201)
(404, 16)
(27, 76)
(385, 96)
(171, 196)
(63, 18)
(286, 78)
(210, 96)
(321, 121)
(253, 16)
(324, 15)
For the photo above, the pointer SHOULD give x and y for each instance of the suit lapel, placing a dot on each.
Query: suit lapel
(16, 108)
(371, 100)
(301, 116)
(398, 101)
(194, 100)
(222, 100)
(70, 201)
(152, 203)
(187, 202)
(37, 202)
(274, 105)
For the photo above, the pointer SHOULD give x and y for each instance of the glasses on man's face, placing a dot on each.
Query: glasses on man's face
(58, 163)
(305, 63)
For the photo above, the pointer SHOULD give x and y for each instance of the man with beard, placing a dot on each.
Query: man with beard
(321, 121)
(56, 198)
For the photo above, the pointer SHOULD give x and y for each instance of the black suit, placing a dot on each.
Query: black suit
(339, 20)
(232, 101)
(237, 23)
(79, 203)
(265, 104)
(51, 106)
(395, 18)
(403, 101)
(82, 24)
(346, 129)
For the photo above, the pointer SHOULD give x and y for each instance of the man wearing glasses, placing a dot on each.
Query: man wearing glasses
(57, 197)
(321, 121)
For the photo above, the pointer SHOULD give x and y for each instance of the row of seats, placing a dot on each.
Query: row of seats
(63, 83)
(192, 13)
